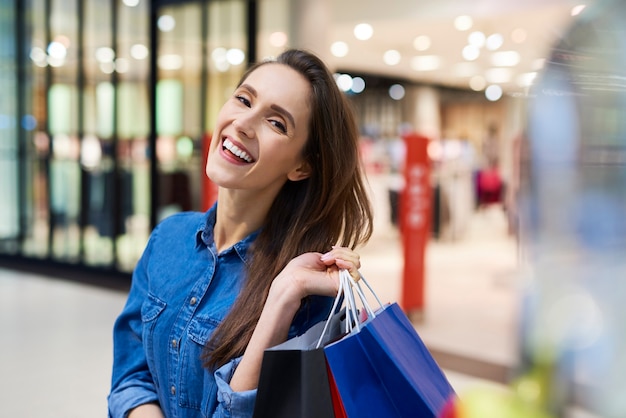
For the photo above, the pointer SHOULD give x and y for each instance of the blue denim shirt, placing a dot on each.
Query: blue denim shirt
(181, 290)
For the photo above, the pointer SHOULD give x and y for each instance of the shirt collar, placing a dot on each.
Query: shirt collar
(204, 235)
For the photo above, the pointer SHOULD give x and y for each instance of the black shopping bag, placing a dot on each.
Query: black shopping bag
(383, 369)
(294, 376)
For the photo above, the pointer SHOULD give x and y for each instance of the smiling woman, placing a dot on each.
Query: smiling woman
(213, 290)
(266, 120)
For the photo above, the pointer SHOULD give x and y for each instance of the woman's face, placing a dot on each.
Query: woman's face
(261, 131)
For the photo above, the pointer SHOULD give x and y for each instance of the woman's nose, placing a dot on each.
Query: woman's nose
(244, 126)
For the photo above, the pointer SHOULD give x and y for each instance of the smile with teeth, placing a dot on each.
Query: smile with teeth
(235, 150)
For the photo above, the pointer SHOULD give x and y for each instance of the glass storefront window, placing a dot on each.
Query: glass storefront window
(133, 126)
(202, 54)
(36, 236)
(76, 148)
(9, 205)
(63, 102)
(96, 157)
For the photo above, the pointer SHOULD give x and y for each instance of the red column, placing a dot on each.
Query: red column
(415, 219)
(209, 189)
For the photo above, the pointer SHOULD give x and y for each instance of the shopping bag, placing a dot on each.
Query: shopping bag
(383, 369)
(294, 380)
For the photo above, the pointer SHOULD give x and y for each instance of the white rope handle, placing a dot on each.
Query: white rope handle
(347, 287)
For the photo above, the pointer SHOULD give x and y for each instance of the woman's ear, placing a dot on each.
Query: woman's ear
(301, 172)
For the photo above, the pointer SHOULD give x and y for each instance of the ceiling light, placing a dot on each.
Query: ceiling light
(57, 50)
(107, 67)
(170, 62)
(477, 83)
(339, 49)
(358, 85)
(344, 81)
(576, 10)
(166, 23)
(38, 56)
(477, 39)
(391, 57)
(493, 92)
(219, 54)
(235, 56)
(470, 52)
(363, 31)
(90, 151)
(494, 41)
(139, 51)
(498, 75)
(278, 39)
(219, 57)
(131, 3)
(425, 63)
(396, 92)
(421, 43)
(105, 54)
(505, 59)
(463, 23)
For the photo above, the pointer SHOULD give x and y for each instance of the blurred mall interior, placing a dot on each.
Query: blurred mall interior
(108, 107)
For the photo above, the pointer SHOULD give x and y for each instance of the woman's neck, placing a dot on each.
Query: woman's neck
(237, 217)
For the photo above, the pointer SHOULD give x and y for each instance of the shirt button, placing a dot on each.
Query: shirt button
(193, 301)
(173, 390)
(174, 343)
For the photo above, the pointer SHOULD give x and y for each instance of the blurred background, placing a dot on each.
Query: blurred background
(107, 109)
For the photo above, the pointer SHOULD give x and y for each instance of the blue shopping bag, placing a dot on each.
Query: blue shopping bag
(383, 369)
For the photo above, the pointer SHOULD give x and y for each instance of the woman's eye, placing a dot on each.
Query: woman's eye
(279, 125)
(243, 100)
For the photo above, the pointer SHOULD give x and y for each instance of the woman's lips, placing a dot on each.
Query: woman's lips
(237, 151)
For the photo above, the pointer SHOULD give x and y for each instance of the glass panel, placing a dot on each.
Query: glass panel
(132, 66)
(96, 157)
(37, 209)
(226, 62)
(9, 204)
(178, 106)
(63, 127)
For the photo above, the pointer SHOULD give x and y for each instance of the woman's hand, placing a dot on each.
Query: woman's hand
(313, 274)
(307, 274)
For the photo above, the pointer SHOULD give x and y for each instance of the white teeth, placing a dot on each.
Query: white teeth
(238, 152)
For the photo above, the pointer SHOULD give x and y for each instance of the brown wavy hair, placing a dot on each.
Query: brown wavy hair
(331, 207)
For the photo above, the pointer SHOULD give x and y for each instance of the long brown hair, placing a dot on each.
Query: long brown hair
(331, 207)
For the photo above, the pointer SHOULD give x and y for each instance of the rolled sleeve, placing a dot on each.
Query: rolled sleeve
(230, 403)
(124, 399)
(132, 384)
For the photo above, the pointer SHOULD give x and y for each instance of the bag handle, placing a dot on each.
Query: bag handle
(347, 287)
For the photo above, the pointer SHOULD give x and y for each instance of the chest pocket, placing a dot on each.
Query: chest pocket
(150, 311)
(197, 385)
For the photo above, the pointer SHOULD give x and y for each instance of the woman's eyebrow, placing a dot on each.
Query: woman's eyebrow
(251, 89)
(275, 107)
(285, 113)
